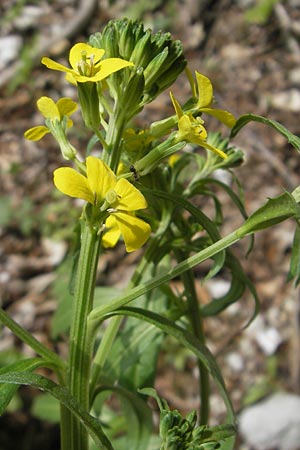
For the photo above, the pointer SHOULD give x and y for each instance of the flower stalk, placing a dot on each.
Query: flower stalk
(81, 344)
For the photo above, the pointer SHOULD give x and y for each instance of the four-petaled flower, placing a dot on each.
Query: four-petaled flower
(54, 113)
(87, 64)
(118, 197)
(203, 92)
(191, 129)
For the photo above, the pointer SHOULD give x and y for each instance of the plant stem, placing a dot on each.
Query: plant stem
(196, 323)
(80, 342)
(143, 288)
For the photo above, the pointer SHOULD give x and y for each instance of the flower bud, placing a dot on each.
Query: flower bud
(89, 102)
(133, 93)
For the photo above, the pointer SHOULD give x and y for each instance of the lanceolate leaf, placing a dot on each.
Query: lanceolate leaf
(246, 118)
(188, 340)
(202, 219)
(274, 211)
(294, 271)
(7, 391)
(239, 283)
(137, 414)
(64, 397)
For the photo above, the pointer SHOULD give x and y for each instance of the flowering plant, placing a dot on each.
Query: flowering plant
(138, 186)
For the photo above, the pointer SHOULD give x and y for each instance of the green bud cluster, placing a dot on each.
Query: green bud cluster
(155, 55)
(180, 433)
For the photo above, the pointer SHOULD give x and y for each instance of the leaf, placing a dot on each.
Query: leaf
(294, 270)
(201, 218)
(64, 397)
(239, 283)
(274, 211)
(244, 119)
(188, 340)
(138, 418)
(7, 391)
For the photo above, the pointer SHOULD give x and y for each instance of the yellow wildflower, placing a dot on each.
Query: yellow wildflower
(191, 129)
(203, 91)
(118, 197)
(54, 112)
(87, 64)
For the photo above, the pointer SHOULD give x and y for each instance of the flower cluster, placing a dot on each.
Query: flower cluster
(119, 71)
(118, 197)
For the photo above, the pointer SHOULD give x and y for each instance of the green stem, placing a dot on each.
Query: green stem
(116, 125)
(114, 325)
(80, 342)
(187, 264)
(197, 327)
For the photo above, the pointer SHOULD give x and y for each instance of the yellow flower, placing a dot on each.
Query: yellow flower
(191, 129)
(86, 64)
(203, 91)
(54, 112)
(118, 197)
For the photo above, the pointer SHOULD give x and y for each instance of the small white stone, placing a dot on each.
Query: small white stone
(10, 47)
(268, 339)
(272, 423)
(286, 100)
(235, 361)
(28, 18)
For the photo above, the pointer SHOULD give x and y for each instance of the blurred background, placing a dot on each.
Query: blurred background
(251, 52)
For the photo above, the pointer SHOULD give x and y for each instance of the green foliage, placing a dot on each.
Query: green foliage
(115, 335)
(178, 433)
(260, 13)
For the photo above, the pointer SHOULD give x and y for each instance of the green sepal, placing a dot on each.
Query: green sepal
(89, 102)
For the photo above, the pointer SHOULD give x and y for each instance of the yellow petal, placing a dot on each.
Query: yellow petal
(112, 235)
(184, 124)
(213, 149)
(77, 51)
(66, 106)
(56, 66)
(223, 116)
(205, 91)
(129, 197)
(101, 178)
(109, 66)
(135, 231)
(48, 108)
(36, 133)
(177, 106)
(72, 183)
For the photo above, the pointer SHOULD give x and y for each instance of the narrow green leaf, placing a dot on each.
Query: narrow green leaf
(201, 218)
(188, 340)
(63, 396)
(239, 283)
(294, 270)
(7, 391)
(138, 417)
(246, 118)
(30, 340)
(274, 211)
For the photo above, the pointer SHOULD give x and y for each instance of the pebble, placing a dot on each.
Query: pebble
(273, 423)
(10, 47)
(286, 100)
